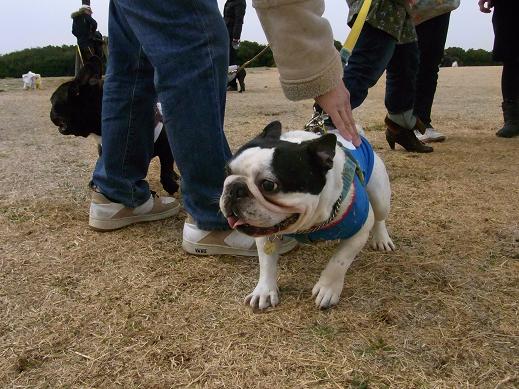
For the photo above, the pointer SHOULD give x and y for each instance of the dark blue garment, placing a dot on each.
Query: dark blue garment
(178, 51)
(375, 52)
(356, 215)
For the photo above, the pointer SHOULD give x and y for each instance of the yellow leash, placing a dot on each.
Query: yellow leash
(80, 56)
(354, 34)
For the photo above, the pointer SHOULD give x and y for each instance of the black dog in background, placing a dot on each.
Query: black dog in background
(234, 74)
(76, 110)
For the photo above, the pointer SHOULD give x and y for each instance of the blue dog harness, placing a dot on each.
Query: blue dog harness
(357, 170)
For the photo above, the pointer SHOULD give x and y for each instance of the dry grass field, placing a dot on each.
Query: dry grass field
(81, 309)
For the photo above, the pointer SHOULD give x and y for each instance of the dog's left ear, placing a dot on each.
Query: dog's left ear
(323, 150)
(272, 130)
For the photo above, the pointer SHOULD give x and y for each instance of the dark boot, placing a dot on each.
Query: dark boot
(406, 138)
(511, 116)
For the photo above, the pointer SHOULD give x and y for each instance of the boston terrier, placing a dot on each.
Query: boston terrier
(312, 188)
(76, 110)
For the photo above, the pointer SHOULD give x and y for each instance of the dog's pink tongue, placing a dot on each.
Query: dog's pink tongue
(234, 221)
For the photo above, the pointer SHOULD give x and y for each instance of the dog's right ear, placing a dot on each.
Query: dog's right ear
(323, 150)
(272, 131)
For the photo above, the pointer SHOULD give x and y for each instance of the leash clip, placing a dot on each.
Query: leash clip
(317, 123)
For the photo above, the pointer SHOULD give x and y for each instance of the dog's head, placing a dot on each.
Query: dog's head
(280, 183)
(76, 104)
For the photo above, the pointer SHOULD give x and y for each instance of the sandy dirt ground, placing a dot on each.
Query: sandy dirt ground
(130, 309)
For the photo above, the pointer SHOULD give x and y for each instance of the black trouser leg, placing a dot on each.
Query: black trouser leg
(432, 35)
(510, 81)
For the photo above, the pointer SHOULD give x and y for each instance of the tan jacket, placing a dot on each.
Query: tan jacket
(302, 44)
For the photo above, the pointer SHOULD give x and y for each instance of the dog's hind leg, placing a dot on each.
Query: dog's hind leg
(168, 177)
(379, 192)
(241, 79)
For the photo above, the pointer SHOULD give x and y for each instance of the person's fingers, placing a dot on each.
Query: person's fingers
(339, 124)
(350, 126)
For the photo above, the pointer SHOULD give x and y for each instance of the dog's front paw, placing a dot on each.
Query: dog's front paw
(381, 240)
(327, 292)
(263, 296)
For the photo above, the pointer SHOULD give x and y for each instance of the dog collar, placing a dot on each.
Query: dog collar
(350, 169)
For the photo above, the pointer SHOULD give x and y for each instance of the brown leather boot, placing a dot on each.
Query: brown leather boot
(406, 138)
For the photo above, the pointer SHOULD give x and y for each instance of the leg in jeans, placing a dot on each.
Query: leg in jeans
(432, 35)
(127, 118)
(401, 78)
(187, 44)
(367, 63)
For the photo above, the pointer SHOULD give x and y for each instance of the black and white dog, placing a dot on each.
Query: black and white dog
(310, 187)
(76, 110)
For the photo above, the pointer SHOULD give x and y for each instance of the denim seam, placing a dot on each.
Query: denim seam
(211, 55)
(214, 97)
(130, 119)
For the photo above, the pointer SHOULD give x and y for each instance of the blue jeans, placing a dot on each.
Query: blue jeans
(375, 52)
(178, 51)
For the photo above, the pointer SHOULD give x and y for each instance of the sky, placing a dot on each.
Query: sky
(30, 23)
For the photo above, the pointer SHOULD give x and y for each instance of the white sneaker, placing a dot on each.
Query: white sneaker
(228, 242)
(106, 215)
(430, 135)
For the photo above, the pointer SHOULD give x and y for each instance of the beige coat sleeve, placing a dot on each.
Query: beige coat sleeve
(302, 44)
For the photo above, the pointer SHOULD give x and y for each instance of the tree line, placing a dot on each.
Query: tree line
(470, 57)
(55, 61)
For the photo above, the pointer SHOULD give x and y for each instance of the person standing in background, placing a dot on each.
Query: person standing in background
(233, 14)
(387, 42)
(432, 35)
(506, 50)
(84, 28)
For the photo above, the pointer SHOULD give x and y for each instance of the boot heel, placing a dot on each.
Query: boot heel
(405, 138)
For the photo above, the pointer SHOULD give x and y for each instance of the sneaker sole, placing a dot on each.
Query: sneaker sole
(206, 249)
(104, 225)
(433, 140)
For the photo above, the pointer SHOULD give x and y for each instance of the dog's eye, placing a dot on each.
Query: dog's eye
(269, 186)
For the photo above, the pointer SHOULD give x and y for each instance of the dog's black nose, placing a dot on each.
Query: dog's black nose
(238, 190)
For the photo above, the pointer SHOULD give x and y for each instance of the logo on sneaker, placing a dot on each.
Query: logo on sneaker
(201, 251)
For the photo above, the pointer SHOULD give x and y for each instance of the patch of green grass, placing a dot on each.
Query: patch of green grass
(375, 346)
(323, 331)
(17, 215)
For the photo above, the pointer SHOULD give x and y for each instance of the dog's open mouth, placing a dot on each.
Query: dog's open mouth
(262, 231)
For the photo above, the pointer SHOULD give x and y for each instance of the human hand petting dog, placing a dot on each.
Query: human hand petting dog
(336, 103)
